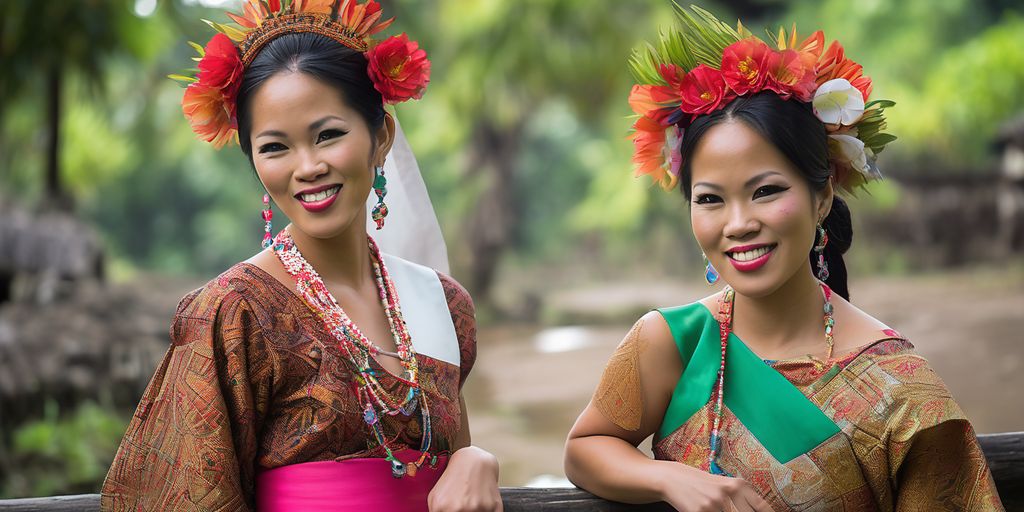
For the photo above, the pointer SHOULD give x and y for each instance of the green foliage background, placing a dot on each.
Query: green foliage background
(167, 202)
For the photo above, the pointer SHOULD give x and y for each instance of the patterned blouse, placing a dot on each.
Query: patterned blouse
(253, 381)
(872, 430)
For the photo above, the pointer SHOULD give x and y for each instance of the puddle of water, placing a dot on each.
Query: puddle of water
(563, 339)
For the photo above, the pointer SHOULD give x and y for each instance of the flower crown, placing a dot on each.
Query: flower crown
(703, 66)
(398, 67)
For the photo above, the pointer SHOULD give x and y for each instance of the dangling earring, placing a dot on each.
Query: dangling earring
(268, 215)
(380, 187)
(820, 249)
(710, 274)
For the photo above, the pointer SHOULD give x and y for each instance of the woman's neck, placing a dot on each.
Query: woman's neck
(785, 321)
(341, 260)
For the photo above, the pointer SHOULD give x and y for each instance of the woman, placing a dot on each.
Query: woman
(776, 393)
(319, 374)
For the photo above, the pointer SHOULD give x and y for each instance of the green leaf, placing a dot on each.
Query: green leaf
(182, 78)
(880, 139)
(198, 48)
(700, 38)
(880, 103)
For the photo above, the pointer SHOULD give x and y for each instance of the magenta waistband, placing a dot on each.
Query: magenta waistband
(350, 485)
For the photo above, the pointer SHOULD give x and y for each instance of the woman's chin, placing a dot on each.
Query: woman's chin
(324, 228)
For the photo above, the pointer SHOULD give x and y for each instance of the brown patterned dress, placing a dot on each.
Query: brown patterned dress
(253, 381)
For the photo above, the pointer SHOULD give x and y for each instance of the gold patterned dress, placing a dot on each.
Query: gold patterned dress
(872, 430)
(253, 381)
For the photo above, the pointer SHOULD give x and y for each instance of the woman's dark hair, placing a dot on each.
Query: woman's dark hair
(320, 57)
(797, 133)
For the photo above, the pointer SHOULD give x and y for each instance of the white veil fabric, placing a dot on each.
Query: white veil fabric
(411, 230)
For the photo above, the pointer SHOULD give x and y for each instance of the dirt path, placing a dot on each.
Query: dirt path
(529, 385)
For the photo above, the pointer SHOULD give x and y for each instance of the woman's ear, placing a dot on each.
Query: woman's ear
(824, 200)
(385, 137)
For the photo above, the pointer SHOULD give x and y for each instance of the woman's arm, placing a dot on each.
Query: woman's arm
(601, 453)
(945, 470)
(192, 441)
(470, 481)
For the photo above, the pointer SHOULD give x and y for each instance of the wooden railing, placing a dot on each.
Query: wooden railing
(1005, 454)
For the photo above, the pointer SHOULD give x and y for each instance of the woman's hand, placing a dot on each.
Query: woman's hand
(689, 489)
(469, 483)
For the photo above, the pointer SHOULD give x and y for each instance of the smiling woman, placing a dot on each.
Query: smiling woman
(776, 393)
(321, 373)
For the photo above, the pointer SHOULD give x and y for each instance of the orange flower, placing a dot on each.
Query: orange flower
(399, 69)
(658, 102)
(208, 114)
(649, 152)
(744, 65)
(791, 73)
(209, 102)
(834, 64)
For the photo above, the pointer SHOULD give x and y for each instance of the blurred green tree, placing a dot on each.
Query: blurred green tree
(41, 43)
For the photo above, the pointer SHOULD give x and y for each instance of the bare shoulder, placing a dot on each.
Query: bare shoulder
(855, 327)
(652, 331)
(268, 262)
(657, 351)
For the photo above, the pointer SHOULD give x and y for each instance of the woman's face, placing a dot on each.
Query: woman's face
(752, 212)
(314, 153)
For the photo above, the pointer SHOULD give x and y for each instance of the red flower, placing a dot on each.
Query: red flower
(834, 64)
(703, 90)
(211, 117)
(209, 102)
(399, 69)
(744, 65)
(791, 73)
(221, 67)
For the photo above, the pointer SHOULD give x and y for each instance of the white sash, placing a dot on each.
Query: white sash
(425, 309)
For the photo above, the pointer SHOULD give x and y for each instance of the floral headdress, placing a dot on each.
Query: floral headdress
(398, 68)
(702, 66)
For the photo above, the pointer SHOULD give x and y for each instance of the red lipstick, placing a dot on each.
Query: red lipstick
(754, 264)
(321, 205)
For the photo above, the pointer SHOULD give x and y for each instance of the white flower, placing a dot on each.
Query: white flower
(851, 149)
(837, 102)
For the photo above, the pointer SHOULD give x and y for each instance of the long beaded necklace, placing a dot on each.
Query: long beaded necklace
(360, 350)
(725, 303)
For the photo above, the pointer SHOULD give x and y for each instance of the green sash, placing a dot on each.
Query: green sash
(782, 419)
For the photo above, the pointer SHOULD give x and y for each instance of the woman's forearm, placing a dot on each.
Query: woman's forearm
(614, 469)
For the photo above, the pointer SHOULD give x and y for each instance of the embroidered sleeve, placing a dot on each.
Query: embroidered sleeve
(619, 396)
(945, 470)
(193, 439)
(934, 459)
(464, 317)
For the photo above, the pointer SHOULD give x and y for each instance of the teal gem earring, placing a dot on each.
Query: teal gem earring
(380, 211)
(710, 274)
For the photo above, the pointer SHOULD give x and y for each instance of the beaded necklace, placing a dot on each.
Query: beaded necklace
(360, 351)
(725, 303)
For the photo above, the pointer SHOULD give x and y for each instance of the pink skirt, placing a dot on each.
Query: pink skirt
(350, 485)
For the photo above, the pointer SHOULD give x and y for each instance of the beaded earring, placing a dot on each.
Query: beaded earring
(380, 211)
(820, 249)
(710, 274)
(268, 215)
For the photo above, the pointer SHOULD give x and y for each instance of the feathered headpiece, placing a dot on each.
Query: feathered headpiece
(398, 68)
(705, 64)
